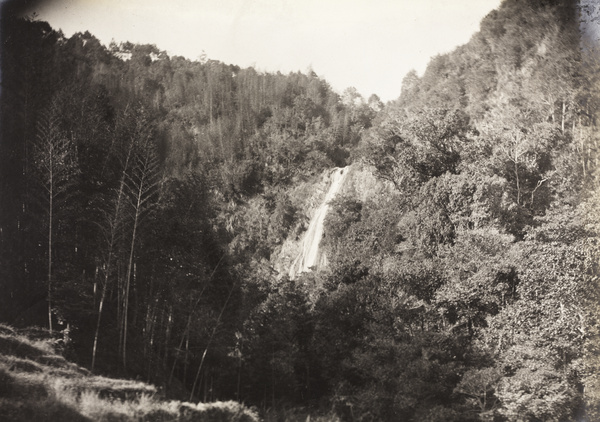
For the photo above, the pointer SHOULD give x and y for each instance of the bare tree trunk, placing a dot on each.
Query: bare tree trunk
(120, 305)
(562, 117)
(185, 334)
(582, 147)
(212, 336)
(136, 297)
(50, 209)
(239, 376)
(185, 360)
(167, 336)
(100, 306)
(518, 183)
(95, 285)
(538, 185)
(128, 280)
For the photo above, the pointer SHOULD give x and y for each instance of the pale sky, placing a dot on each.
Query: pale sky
(367, 44)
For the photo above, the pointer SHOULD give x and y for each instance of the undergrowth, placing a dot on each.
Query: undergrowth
(38, 384)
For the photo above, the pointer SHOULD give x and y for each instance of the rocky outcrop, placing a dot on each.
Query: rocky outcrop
(310, 255)
(301, 251)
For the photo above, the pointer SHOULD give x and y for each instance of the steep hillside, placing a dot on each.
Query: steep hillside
(478, 275)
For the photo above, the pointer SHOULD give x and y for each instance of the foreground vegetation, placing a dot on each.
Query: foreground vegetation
(39, 384)
(145, 200)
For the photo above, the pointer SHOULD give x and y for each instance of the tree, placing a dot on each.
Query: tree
(141, 184)
(410, 152)
(375, 103)
(56, 167)
(112, 228)
(410, 87)
(520, 150)
(537, 337)
(479, 386)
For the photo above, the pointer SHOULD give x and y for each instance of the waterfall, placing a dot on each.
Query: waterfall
(309, 256)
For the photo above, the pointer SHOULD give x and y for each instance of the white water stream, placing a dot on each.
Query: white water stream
(309, 256)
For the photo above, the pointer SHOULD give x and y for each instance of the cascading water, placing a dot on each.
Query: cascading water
(310, 256)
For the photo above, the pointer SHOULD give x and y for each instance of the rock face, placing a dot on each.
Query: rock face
(310, 255)
(303, 253)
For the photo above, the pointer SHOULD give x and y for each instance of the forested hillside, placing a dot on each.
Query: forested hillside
(144, 199)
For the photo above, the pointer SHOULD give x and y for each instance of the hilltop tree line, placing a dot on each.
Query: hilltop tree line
(143, 197)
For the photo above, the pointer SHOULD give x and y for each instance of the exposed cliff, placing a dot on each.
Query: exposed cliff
(301, 251)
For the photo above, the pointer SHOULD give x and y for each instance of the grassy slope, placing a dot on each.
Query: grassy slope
(38, 384)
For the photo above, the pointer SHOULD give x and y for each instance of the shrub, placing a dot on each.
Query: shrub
(229, 411)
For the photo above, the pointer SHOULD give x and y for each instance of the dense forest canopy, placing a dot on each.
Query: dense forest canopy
(144, 199)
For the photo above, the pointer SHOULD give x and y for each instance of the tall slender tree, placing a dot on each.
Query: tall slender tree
(55, 168)
(112, 229)
(141, 185)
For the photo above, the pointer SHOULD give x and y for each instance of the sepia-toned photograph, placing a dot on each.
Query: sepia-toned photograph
(300, 210)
